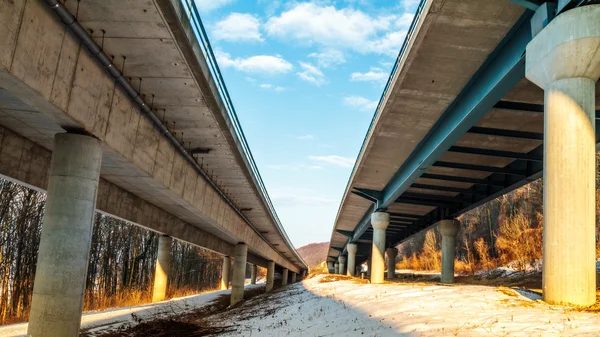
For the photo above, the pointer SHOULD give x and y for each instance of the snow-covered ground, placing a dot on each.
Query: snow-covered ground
(108, 319)
(347, 308)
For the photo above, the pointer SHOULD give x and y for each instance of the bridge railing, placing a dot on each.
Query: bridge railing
(202, 37)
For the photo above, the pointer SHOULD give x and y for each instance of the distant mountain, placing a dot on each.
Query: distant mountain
(314, 253)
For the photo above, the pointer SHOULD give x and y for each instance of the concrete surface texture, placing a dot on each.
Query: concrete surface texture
(239, 273)
(50, 83)
(449, 229)
(253, 272)
(379, 221)
(163, 265)
(564, 60)
(270, 276)
(342, 265)
(391, 254)
(352, 248)
(284, 277)
(225, 269)
(66, 236)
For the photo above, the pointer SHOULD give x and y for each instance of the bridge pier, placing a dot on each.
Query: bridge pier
(66, 236)
(352, 249)
(449, 229)
(330, 267)
(342, 262)
(369, 267)
(391, 255)
(163, 265)
(380, 222)
(239, 273)
(253, 272)
(225, 272)
(293, 278)
(563, 60)
(336, 267)
(284, 277)
(270, 276)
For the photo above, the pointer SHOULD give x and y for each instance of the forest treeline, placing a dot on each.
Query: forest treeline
(121, 263)
(506, 231)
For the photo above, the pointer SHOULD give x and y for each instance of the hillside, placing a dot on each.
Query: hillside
(314, 253)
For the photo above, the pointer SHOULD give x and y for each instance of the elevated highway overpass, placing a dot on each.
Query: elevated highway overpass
(485, 97)
(119, 106)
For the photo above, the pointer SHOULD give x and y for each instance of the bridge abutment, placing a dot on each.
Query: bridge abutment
(239, 273)
(380, 222)
(163, 265)
(563, 59)
(66, 236)
(449, 229)
(352, 249)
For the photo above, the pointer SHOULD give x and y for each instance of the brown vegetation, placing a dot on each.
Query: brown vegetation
(121, 262)
(314, 253)
(507, 230)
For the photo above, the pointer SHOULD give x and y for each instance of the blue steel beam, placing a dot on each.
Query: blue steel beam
(503, 69)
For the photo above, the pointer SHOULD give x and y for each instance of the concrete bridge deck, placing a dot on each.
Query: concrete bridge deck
(140, 77)
(461, 122)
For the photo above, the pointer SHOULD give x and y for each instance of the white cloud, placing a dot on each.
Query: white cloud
(209, 5)
(374, 74)
(305, 137)
(311, 74)
(265, 64)
(361, 103)
(334, 28)
(272, 87)
(329, 58)
(238, 27)
(334, 160)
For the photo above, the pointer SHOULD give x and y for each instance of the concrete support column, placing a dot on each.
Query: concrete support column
(369, 267)
(342, 262)
(380, 222)
(66, 236)
(163, 265)
(253, 272)
(270, 276)
(330, 267)
(293, 278)
(563, 59)
(239, 273)
(449, 230)
(225, 273)
(352, 249)
(391, 256)
(336, 267)
(284, 277)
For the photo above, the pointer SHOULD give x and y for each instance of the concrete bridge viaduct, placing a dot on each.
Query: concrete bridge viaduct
(485, 97)
(119, 106)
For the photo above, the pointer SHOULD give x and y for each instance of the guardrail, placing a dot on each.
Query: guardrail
(207, 51)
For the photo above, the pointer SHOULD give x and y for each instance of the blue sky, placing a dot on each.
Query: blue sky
(305, 78)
